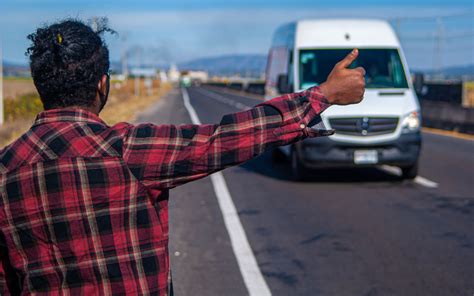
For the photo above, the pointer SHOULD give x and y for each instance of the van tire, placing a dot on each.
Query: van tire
(278, 156)
(298, 171)
(410, 172)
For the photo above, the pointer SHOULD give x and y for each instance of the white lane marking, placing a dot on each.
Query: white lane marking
(391, 170)
(251, 274)
(224, 99)
(189, 107)
(419, 179)
(425, 182)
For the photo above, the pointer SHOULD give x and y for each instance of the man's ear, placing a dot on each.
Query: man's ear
(102, 85)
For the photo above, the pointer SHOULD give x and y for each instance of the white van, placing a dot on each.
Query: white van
(384, 128)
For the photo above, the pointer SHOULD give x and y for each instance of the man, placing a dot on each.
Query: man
(84, 206)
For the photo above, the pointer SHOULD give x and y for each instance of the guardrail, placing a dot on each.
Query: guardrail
(448, 105)
(446, 116)
(254, 87)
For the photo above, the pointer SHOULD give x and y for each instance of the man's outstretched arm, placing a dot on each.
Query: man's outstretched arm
(165, 156)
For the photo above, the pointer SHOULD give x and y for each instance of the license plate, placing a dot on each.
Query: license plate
(365, 157)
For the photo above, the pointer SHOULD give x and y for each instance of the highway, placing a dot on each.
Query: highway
(343, 232)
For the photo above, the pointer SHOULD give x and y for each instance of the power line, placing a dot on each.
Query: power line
(451, 51)
(433, 36)
(438, 37)
(433, 17)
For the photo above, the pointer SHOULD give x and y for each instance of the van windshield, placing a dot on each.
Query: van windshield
(383, 66)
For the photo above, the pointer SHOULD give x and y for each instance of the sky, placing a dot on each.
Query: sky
(181, 30)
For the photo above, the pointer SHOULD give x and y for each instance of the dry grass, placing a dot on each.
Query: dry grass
(13, 129)
(123, 105)
(16, 87)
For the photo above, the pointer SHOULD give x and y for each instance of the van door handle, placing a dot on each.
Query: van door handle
(386, 93)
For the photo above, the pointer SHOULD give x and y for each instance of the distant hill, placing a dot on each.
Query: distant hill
(16, 69)
(243, 64)
(254, 65)
(453, 72)
(460, 70)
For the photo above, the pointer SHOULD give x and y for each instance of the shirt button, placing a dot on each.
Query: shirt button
(302, 126)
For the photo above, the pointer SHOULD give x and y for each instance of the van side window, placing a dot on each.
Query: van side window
(291, 77)
(277, 64)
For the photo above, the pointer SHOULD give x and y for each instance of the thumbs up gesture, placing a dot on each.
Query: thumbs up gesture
(345, 86)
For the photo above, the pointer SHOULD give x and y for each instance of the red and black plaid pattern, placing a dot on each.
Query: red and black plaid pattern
(84, 206)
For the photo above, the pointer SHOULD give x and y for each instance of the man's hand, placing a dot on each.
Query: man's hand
(345, 86)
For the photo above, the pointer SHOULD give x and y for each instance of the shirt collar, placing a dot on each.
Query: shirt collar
(67, 114)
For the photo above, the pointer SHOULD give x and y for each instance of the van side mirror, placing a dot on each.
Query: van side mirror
(418, 82)
(282, 84)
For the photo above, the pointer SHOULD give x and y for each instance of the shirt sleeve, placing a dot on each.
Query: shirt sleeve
(3, 281)
(165, 156)
(4, 268)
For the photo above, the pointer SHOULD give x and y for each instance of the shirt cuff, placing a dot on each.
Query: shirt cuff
(316, 97)
(315, 126)
(301, 113)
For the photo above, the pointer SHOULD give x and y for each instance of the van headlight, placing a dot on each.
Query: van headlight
(411, 122)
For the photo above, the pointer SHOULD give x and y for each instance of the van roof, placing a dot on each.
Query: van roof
(331, 33)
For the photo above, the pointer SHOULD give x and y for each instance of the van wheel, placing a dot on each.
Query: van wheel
(410, 172)
(298, 171)
(278, 156)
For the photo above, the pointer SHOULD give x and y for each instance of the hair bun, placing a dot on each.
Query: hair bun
(59, 38)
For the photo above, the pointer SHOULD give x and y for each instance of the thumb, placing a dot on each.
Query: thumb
(347, 61)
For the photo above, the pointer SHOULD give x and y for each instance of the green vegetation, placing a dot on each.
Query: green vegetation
(23, 107)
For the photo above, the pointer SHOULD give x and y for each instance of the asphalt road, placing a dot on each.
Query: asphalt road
(344, 232)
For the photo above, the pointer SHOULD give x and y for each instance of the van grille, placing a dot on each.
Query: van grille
(364, 126)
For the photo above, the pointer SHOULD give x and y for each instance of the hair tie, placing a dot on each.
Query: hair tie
(60, 38)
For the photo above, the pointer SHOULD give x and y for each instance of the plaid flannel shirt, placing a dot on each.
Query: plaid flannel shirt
(84, 206)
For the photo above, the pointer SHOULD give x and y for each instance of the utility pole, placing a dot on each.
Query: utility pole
(137, 78)
(1, 85)
(95, 23)
(398, 23)
(438, 50)
(124, 56)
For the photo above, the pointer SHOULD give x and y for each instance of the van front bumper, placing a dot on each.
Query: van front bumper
(324, 152)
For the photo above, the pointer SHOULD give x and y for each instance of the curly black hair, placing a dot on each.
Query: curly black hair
(67, 61)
